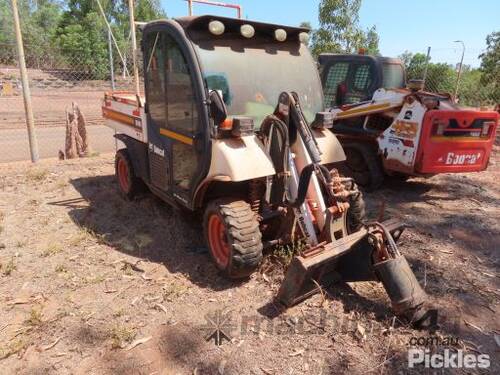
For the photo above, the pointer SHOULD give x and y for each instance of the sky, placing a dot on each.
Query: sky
(401, 25)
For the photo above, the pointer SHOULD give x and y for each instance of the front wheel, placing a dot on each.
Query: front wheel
(233, 237)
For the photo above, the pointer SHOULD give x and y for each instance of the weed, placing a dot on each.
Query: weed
(20, 243)
(61, 268)
(121, 335)
(35, 318)
(173, 290)
(127, 269)
(285, 253)
(81, 236)
(51, 249)
(94, 279)
(118, 313)
(9, 267)
(61, 183)
(13, 347)
(37, 175)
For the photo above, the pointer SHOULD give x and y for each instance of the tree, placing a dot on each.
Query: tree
(39, 21)
(82, 32)
(490, 64)
(339, 30)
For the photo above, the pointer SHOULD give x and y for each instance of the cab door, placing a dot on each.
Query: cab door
(173, 120)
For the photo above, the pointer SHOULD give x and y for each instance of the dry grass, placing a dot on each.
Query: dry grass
(35, 318)
(51, 249)
(8, 268)
(37, 174)
(121, 335)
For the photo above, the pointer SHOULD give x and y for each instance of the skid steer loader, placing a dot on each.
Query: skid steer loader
(390, 128)
(232, 127)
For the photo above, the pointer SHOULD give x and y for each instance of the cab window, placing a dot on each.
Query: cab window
(337, 74)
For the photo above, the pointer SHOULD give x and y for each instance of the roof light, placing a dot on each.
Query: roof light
(280, 35)
(247, 31)
(216, 27)
(304, 37)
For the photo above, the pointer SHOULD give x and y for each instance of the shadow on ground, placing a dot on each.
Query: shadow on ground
(145, 228)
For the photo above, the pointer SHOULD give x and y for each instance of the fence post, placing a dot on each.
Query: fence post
(28, 109)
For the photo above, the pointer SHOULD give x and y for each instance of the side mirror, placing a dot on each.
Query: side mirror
(218, 110)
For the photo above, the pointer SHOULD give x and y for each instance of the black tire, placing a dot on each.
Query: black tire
(241, 235)
(364, 165)
(356, 215)
(124, 171)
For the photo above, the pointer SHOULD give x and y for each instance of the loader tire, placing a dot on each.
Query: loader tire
(129, 184)
(356, 215)
(233, 237)
(364, 165)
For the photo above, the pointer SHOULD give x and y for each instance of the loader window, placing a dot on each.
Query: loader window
(337, 73)
(359, 83)
(393, 76)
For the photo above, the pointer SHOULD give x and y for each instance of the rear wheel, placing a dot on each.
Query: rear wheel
(363, 164)
(128, 183)
(233, 237)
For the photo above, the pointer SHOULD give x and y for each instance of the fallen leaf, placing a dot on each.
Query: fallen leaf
(138, 342)
(297, 353)
(51, 345)
(360, 332)
(473, 326)
(161, 307)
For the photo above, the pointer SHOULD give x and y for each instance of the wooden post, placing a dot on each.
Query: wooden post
(28, 109)
(134, 47)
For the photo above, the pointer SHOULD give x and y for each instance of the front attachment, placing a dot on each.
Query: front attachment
(322, 265)
(369, 254)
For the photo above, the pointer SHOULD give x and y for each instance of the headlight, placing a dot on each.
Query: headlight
(216, 27)
(247, 31)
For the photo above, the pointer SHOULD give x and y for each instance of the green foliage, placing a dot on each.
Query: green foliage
(490, 64)
(339, 30)
(71, 32)
(474, 89)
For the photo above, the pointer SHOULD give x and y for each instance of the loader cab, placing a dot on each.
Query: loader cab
(248, 64)
(349, 79)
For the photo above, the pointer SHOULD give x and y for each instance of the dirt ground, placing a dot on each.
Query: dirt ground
(92, 284)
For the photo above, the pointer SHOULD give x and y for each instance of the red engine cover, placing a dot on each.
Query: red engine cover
(460, 147)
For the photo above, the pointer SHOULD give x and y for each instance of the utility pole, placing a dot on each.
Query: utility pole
(427, 64)
(28, 109)
(459, 73)
(134, 47)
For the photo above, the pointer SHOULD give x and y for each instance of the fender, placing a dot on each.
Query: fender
(239, 159)
(329, 145)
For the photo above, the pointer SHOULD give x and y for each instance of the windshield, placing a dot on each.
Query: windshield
(393, 76)
(251, 77)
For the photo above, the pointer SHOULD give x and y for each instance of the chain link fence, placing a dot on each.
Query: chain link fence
(57, 79)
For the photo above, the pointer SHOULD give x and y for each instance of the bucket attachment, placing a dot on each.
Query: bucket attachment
(318, 267)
